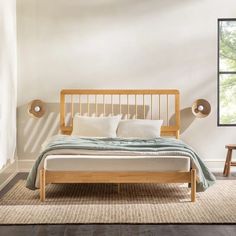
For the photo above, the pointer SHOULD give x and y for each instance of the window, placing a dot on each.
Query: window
(227, 72)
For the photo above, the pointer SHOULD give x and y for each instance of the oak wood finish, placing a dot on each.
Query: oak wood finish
(47, 177)
(116, 177)
(228, 161)
(42, 185)
(193, 185)
(167, 130)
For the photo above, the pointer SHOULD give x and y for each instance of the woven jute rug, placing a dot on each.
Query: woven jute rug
(135, 203)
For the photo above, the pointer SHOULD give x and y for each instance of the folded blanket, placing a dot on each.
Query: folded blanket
(63, 144)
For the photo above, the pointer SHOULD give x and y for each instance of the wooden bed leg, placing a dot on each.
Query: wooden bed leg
(193, 185)
(42, 185)
(226, 163)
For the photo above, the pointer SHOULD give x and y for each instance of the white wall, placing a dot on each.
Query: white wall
(126, 44)
(7, 90)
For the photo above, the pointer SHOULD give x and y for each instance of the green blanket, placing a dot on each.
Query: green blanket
(161, 146)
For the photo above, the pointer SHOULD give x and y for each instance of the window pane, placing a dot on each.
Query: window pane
(227, 34)
(227, 107)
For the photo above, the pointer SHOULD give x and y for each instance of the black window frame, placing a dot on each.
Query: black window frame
(221, 72)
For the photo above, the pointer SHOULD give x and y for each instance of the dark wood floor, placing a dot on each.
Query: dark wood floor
(121, 230)
(116, 229)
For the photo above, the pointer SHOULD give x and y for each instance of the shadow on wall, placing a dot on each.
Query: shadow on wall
(186, 118)
(32, 132)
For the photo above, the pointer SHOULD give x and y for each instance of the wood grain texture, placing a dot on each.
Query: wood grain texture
(119, 91)
(228, 161)
(193, 185)
(231, 146)
(116, 177)
(47, 177)
(42, 185)
(119, 177)
(168, 130)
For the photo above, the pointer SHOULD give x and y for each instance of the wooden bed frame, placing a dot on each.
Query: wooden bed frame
(132, 100)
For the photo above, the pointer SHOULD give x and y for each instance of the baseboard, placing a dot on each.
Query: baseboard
(7, 174)
(215, 165)
(25, 165)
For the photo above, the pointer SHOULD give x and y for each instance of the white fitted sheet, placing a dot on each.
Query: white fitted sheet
(116, 163)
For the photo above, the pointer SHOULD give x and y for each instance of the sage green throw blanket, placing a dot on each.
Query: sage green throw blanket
(160, 146)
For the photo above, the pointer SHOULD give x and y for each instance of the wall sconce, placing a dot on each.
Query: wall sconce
(201, 108)
(36, 108)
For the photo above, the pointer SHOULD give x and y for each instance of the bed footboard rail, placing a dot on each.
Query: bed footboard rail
(48, 177)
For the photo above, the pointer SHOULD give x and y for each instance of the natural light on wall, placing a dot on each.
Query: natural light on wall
(227, 72)
(7, 82)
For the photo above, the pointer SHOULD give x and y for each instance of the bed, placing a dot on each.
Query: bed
(71, 159)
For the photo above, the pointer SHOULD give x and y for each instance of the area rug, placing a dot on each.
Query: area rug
(135, 203)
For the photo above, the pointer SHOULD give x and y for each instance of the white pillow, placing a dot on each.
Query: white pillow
(145, 129)
(95, 126)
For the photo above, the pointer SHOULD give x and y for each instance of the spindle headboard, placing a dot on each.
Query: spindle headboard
(132, 104)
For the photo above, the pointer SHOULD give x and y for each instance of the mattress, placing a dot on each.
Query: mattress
(70, 153)
(116, 163)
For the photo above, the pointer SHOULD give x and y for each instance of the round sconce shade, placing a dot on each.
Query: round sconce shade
(36, 108)
(201, 108)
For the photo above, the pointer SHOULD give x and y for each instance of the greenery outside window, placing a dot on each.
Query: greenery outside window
(227, 72)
